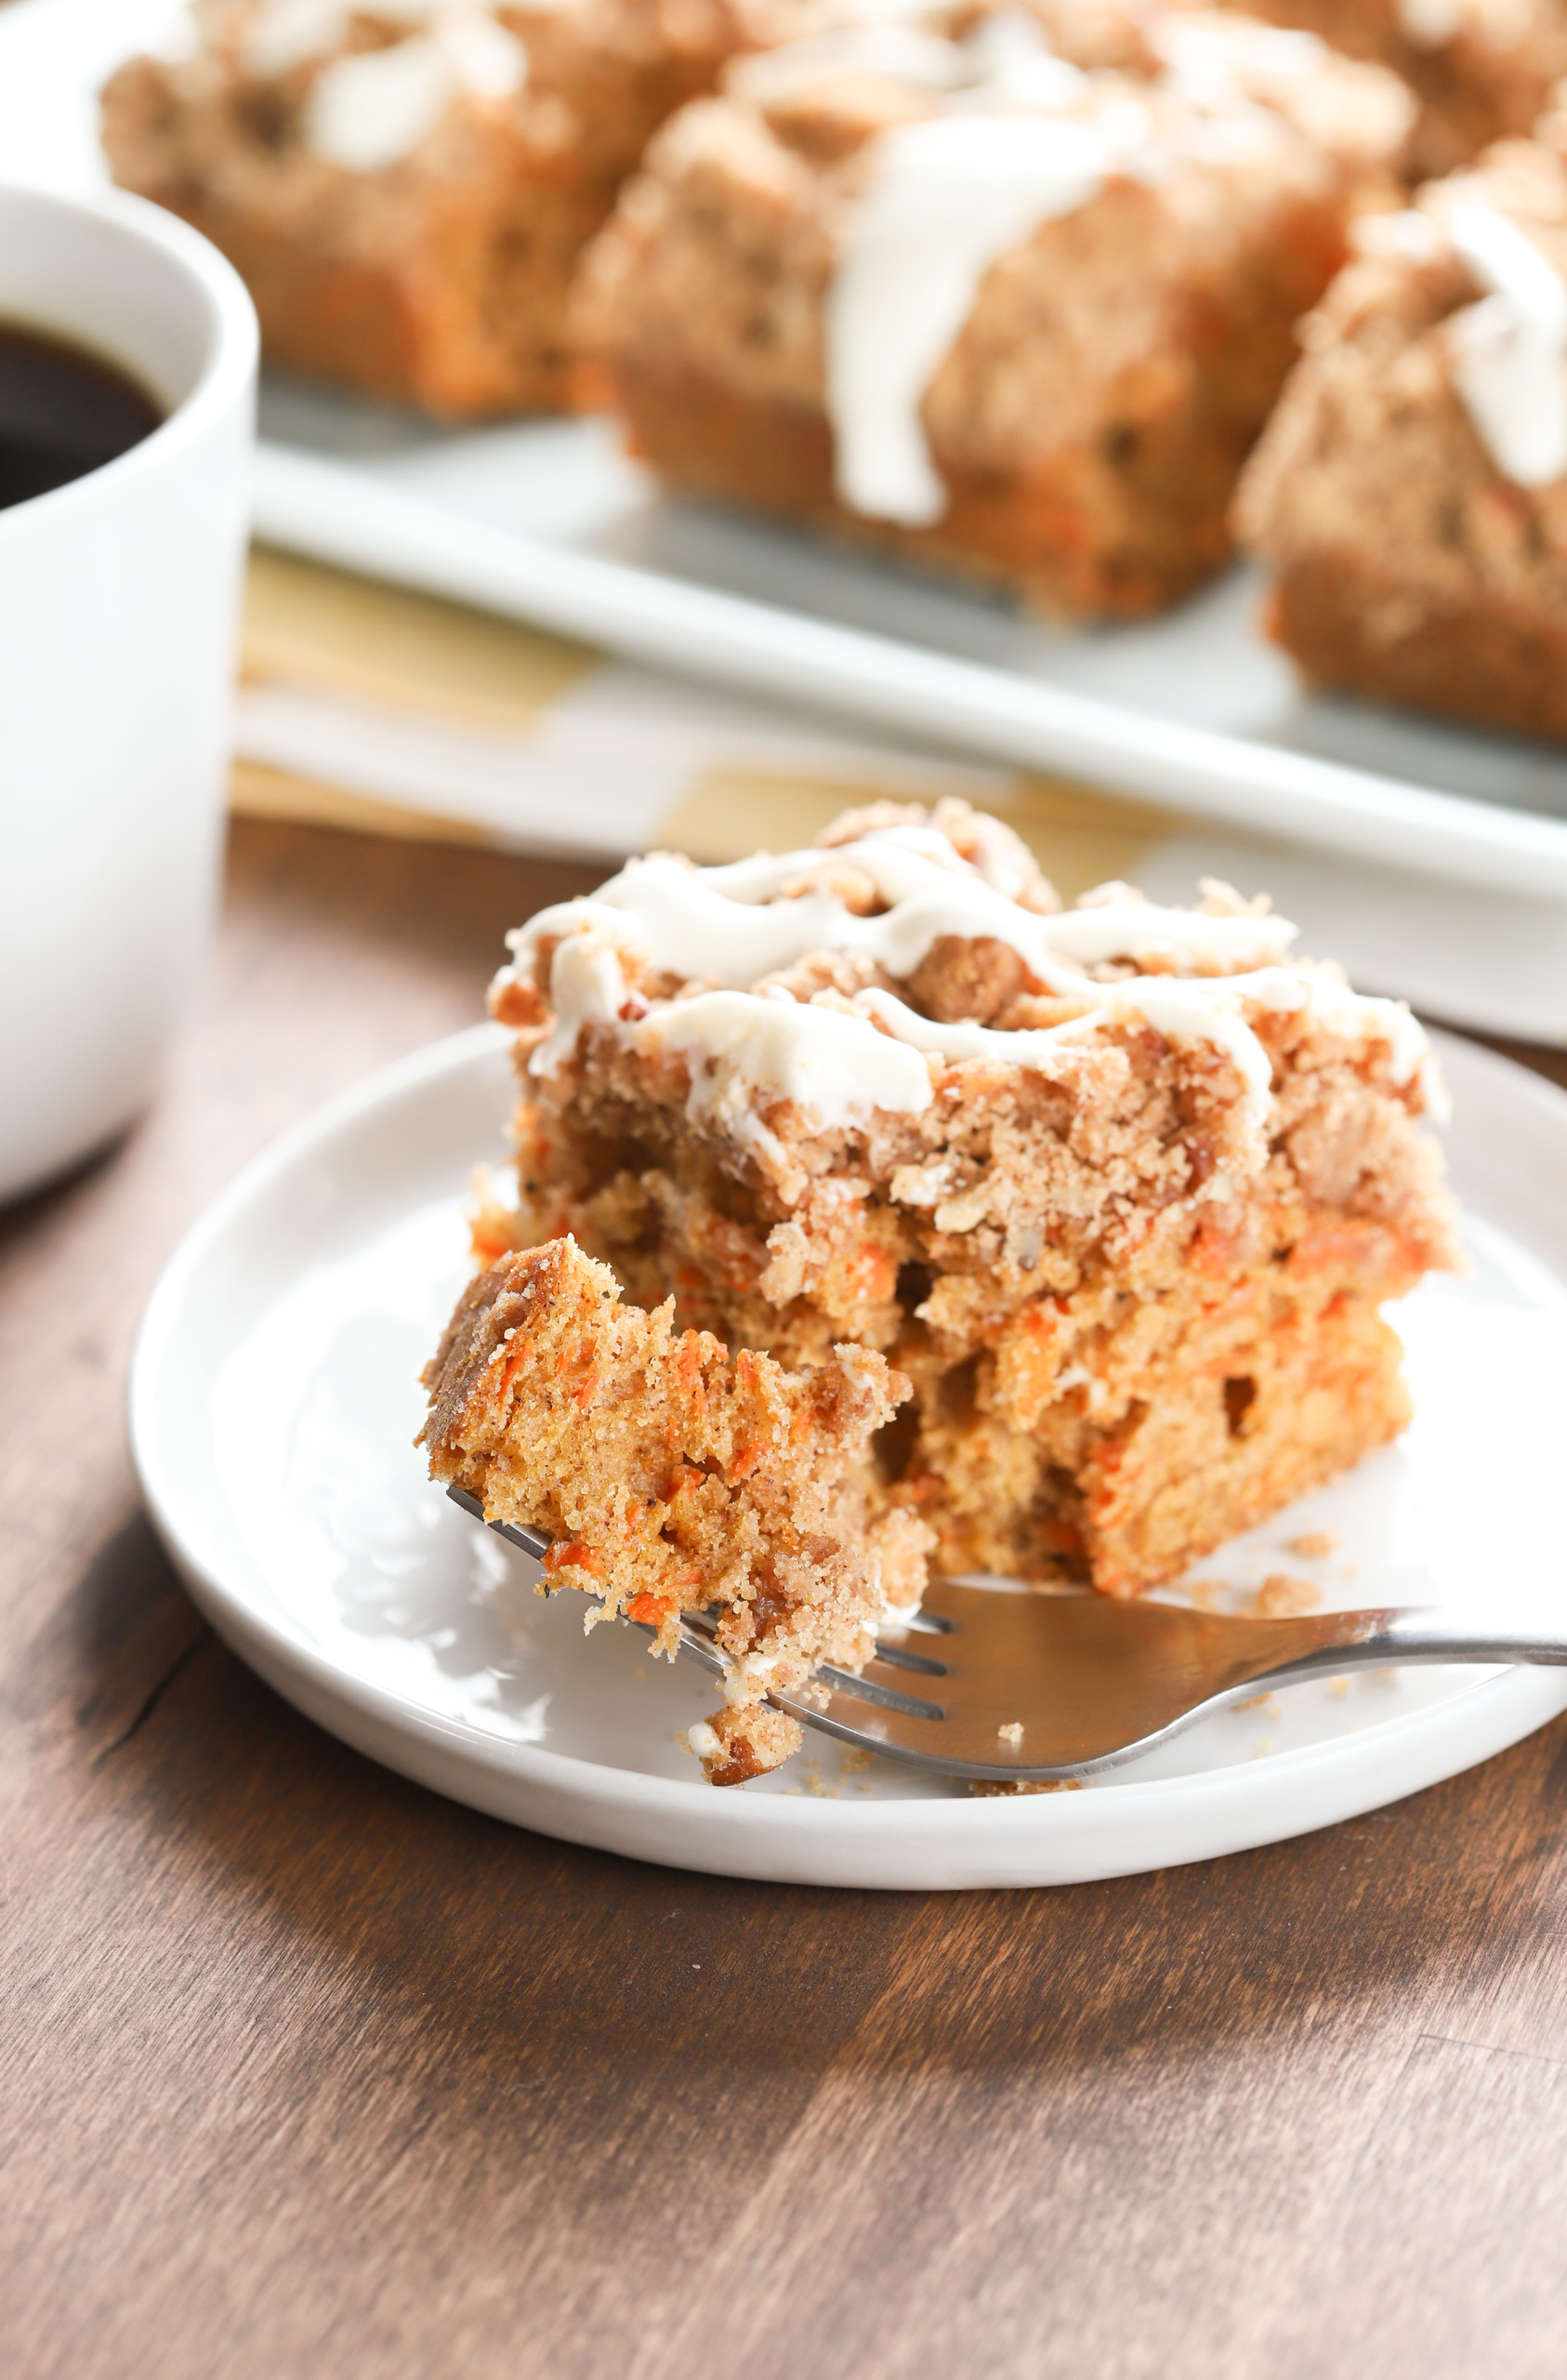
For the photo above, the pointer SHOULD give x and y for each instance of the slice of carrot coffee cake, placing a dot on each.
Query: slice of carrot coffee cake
(1410, 493)
(1013, 304)
(1117, 1193)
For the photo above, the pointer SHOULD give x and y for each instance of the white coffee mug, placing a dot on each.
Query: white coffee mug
(119, 614)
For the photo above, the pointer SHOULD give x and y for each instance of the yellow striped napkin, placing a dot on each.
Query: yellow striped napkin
(367, 706)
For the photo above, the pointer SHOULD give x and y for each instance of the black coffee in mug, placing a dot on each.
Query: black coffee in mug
(63, 412)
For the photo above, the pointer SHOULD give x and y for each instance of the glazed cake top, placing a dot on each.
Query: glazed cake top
(1501, 25)
(813, 992)
(365, 84)
(895, 161)
(372, 81)
(1428, 418)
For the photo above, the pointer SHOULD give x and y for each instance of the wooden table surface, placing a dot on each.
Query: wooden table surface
(305, 2071)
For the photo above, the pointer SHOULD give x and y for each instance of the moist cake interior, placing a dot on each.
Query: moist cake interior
(672, 1476)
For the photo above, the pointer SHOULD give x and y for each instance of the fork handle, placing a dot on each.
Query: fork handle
(1327, 1645)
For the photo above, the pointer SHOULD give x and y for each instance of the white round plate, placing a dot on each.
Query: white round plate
(275, 1398)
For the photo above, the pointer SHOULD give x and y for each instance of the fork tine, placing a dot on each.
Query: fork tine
(898, 1657)
(888, 1693)
(698, 1630)
(530, 1540)
(1087, 1682)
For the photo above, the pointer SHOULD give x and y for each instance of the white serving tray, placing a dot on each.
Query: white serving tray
(546, 521)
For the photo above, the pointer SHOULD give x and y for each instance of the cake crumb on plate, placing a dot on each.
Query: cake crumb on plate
(1313, 1545)
(1282, 1597)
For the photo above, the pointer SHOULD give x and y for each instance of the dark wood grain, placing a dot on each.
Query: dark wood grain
(305, 2071)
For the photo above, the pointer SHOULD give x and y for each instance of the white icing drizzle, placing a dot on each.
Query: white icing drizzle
(587, 986)
(1138, 930)
(842, 1062)
(286, 33)
(1225, 77)
(1021, 139)
(1184, 1009)
(179, 41)
(1004, 862)
(903, 52)
(370, 109)
(1007, 62)
(1509, 352)
(1402, 233)
(1431, 24)
(948, 197)
(1167, 1004)
(488, 59)
(731, 925)
(289, 32)
(366, 112)
(1211, 65)
(736, 1045)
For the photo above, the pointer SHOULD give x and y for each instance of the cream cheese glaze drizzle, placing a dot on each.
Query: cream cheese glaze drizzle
(840, 1062)
(368, 109)
(738, 1046)
(1170, 1006)
(1431, 24)
(734, 924)
(1021, 142)
(1021, 139)
(284, 33)
(903, 53)
(950, 197)
(1509, 352)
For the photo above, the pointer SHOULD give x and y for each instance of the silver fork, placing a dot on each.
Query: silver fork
(998, 1687)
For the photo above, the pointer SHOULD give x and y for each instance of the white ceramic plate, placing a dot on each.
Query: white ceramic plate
(546, 521)
(274, 1399)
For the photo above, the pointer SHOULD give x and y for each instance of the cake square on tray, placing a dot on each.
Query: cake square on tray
(406, 185)
(1113, 1196)
(1410, 494)
(1480, 68)
(1015, 299)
